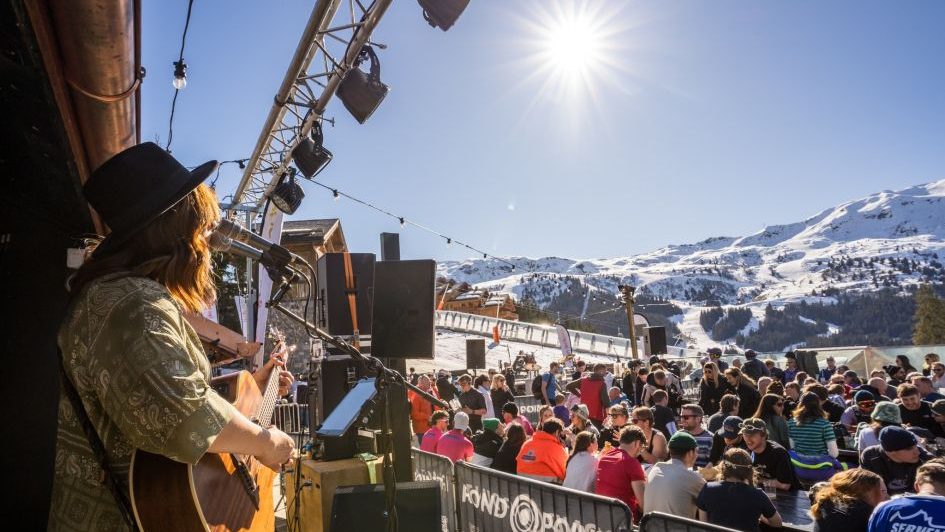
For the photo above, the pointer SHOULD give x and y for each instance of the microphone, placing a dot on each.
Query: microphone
(218, 242)
(241, 241)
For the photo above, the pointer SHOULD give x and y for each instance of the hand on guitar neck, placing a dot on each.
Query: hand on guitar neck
(276, 362)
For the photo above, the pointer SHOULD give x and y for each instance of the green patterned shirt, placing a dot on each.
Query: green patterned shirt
(144, 380)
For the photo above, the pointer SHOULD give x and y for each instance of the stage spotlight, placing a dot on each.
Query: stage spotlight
(363, 92)
(442, 13)
(287, 196)
(310, 156)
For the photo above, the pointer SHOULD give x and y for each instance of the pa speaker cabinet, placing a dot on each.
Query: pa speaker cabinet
(475, 353)
(390, 246)
(316, 483)
(657, 336)
(361, 508)
(404, 309)
(333, 311)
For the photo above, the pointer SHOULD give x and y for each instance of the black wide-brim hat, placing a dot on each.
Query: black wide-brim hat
(136, 186)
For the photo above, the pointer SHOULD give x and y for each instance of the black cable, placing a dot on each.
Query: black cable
(180, 60)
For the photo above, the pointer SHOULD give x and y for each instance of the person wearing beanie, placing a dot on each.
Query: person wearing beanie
(454, 444)
(672, 486)
(884, 414)
(753, 367)
(859, 411)
(580, 422)
(715, 354)
(486, 443)
(896, 459)
(938, 412)
(769, 458)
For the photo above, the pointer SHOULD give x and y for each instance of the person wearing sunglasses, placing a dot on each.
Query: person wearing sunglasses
(771, 411)
(711, 388)
(618, 417)
(938, 375)
(859, 411)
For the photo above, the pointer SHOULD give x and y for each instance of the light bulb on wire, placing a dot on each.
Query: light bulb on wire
(335, 194)
(402, 221)
(180, 74)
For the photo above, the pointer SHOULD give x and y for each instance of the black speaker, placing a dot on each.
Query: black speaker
(404, 309)
(333, 313)
(362, 507)
(390, 246)
(475, 353)
(657, 340)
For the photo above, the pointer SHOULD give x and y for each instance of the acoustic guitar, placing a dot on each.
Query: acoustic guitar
(222, 492)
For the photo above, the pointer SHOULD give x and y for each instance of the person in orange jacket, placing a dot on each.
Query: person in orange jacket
(420, 409)
(543, 456)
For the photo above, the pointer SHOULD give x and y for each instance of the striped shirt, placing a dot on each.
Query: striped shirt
(703, 447)
(811, 437)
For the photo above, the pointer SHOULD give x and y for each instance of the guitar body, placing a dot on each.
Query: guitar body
(209, 496)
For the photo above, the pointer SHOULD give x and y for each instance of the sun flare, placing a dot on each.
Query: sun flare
(572, 46)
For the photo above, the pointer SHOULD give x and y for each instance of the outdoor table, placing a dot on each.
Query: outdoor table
(794, 507)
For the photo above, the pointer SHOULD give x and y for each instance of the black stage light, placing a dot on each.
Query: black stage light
(311, 156)
(442, 13)
(363, 92)
(287, 196)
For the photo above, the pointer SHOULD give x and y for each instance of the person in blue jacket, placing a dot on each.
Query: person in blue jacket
(923, 511)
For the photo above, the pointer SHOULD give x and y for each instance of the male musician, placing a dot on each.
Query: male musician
(138, 367)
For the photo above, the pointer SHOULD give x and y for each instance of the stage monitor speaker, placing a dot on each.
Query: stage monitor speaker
(337, 374)
(333, 313)
(390, 246)
(475, 353)
(404, 309)
(657, 337)
(363, 507)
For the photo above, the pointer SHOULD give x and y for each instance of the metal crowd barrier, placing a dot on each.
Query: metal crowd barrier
(291, 418)
(660, 522)
(429, 466)
(489, 500)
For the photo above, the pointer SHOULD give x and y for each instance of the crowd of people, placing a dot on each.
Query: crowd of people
(722, 450)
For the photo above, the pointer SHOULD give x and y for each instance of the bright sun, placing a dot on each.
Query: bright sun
(572, 45)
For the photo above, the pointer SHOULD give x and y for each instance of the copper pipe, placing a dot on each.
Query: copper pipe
(97, 43)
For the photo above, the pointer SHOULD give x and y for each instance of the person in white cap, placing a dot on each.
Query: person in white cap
(454, 444)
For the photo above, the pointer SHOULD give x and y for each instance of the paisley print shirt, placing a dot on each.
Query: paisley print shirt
(143, 378)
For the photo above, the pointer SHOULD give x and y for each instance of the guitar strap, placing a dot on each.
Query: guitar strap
(352, 292)
(98, 448)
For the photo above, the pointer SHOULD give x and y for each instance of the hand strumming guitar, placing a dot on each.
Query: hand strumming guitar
(278, 450)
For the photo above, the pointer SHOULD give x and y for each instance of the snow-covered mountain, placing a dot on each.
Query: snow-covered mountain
(888, 239)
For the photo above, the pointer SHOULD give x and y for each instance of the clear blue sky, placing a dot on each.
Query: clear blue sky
(698, 119)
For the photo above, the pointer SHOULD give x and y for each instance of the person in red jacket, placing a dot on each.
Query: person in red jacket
(593, 392)
(543, 456)
(420, 409)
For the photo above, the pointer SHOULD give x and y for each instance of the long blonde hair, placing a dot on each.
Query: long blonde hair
(845, 488)
(715, 373)
(172, 250)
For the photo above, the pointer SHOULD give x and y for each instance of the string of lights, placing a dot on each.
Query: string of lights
(336, 194)
(180, 77)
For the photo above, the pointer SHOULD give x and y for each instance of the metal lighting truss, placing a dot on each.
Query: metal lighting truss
(310, 82)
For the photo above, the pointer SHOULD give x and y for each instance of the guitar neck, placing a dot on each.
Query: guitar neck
(270, 396)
